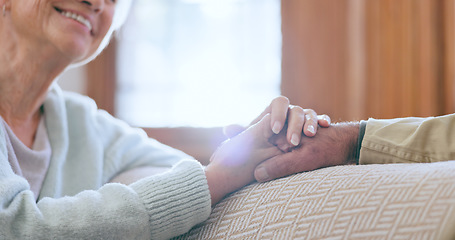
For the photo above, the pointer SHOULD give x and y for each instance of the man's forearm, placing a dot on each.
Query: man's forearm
(409, 140)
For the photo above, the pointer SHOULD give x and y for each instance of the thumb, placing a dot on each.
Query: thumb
(275, 167)
(285, 164)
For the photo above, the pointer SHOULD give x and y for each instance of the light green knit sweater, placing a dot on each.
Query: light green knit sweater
(89, 147)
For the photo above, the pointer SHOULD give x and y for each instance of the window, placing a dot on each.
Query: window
(199, 63)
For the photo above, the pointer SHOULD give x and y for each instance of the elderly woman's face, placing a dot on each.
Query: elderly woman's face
(75, 27)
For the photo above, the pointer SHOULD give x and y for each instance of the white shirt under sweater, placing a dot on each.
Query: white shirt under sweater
(32, 163)
(89, 147)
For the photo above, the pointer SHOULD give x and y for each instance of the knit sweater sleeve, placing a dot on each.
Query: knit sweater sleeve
(157, 207)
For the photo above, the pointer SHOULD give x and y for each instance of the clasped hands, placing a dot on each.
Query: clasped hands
(272, 146)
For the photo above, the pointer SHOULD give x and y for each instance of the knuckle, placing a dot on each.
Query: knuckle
(310, 122)
(311, 116)
(281, 100)
(297, 110)
(310, 112)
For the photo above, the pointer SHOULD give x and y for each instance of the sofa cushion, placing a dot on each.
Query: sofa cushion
(393, 201)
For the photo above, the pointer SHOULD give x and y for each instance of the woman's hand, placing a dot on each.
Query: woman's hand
(232, 165)
(288, 120)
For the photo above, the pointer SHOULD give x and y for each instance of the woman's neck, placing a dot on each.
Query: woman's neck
(27, 69)
(24, 82)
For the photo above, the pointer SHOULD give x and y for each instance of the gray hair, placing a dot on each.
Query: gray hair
(122, 9)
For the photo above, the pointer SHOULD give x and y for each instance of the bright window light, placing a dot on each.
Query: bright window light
(200, 63)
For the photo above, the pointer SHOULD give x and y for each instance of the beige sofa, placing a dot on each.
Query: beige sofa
(394, 201)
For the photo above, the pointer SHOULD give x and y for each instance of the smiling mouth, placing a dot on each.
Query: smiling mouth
(76, 17)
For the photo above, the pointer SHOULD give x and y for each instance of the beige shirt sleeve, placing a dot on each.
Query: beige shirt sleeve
(409, 140)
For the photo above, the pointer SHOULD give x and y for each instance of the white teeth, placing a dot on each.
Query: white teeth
(78, 18)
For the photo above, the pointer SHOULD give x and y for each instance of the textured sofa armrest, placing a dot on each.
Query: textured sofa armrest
(393, 201)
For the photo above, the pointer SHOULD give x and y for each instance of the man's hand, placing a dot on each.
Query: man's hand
(335, 145)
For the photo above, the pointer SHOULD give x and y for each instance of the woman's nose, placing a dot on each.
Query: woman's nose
(95, 5)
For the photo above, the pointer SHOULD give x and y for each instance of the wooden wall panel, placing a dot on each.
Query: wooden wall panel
(101, 78)
(314, 45)
(448, 9)
(355, 59)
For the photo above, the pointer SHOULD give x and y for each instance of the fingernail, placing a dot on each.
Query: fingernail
(261, 174)
(311, 129)
(295, 139)
(326, 118)
(276, 128)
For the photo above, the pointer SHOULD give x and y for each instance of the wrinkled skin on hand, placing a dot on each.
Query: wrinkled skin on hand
(331, 146)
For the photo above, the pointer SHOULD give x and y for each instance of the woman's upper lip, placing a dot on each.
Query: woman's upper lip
(86, 16)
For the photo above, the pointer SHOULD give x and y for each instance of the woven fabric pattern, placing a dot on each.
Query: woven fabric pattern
(393, 201)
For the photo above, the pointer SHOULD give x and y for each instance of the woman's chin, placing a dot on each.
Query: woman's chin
(75, 50)
(76, 55)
